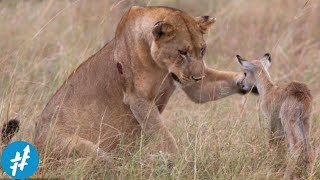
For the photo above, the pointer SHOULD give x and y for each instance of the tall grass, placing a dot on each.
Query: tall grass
(42, 42)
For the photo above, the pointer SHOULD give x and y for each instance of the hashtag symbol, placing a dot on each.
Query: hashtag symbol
(22, 160)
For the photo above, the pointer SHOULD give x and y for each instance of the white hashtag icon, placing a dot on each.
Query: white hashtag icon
(22, 160)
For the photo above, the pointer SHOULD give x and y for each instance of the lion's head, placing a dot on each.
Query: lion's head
(179, 46)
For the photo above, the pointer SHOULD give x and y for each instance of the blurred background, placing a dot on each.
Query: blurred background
(43, 41)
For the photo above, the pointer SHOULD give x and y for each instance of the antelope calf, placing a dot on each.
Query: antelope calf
(287, 107)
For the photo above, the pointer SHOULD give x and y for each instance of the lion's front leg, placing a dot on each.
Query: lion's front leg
(215, 85)
(149, 118)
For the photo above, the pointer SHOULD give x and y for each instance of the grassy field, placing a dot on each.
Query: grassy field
(42, 42)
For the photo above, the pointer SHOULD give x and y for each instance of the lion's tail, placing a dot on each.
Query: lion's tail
(9, 129)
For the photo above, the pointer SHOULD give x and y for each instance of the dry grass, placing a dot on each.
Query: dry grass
(44, 41)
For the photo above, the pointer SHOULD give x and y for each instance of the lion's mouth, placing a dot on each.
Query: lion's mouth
(175, 77)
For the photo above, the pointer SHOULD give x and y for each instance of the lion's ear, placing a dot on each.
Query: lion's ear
(205, 22)
(162, 29)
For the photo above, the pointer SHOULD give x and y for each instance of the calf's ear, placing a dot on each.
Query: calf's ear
(266, 60)
(244, 63)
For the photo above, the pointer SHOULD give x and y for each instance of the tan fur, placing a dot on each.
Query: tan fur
(125, 86)
(288, 107)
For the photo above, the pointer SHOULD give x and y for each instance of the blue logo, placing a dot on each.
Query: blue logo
(19, 159)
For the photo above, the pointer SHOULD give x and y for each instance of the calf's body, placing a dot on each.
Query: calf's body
(288, 107)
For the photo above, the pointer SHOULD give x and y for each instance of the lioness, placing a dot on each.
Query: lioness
(125, 86)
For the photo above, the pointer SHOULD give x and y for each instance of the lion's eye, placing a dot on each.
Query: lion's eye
(202, 51)
(183, 52)
(245, 74)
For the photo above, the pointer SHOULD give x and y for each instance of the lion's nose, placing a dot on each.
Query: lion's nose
(197, 78)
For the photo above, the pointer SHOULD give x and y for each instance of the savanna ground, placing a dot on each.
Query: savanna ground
(42, 42)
